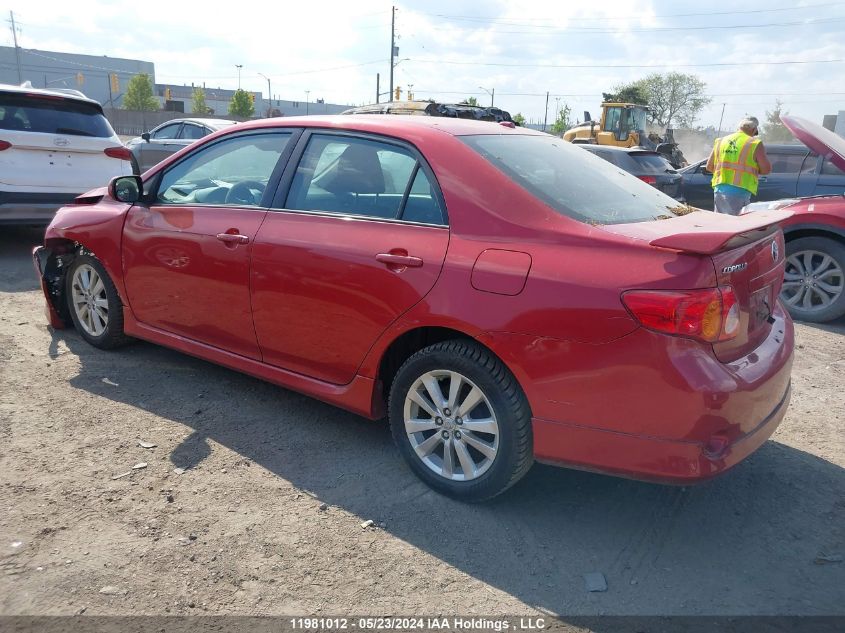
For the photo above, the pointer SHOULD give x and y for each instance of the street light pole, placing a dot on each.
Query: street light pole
(269, 95)
(721, 117)
(392, 47)
(307, 93)
(239, 66)
(492, 94)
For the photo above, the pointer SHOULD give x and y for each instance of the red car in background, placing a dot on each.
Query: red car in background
(814, 284)
(502, 295)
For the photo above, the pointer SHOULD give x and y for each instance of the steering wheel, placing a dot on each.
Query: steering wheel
(242, 192)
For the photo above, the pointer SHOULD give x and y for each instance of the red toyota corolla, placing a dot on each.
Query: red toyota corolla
(502, 295)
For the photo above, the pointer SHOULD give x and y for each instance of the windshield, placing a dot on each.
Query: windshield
(636, 119)
(52, 116)
(574, 182)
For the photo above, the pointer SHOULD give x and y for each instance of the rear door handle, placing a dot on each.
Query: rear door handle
(233, 238)
(392, 259)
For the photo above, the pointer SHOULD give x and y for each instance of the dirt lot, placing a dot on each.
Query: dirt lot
(242, 530)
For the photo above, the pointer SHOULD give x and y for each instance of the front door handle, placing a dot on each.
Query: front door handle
(396, 260)
(233, 238)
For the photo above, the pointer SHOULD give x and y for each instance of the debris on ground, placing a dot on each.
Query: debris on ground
(323, 507)
(122, 475)
(595, 581)
(111, 590)
(139, 466)
(824, 559)
(110, 382)
(144, 444)
(367, 523)
(178, 471)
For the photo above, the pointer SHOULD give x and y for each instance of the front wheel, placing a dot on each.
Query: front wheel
(814, 281)
(95, 306)
(461, 421)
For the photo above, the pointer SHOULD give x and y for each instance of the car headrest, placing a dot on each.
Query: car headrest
(358, 170)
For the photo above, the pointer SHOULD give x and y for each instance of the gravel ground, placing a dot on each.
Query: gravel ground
(266, 518)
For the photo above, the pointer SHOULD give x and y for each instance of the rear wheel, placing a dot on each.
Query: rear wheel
(95, 306)
(461, 421)
(814, 281)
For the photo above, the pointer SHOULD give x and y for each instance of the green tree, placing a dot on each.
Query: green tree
(634, 92)
(674, 98)
(563, 121)
(774, 131)
(519, 119)
(198, 102)
(139, 94)
(471, 101)
(241, 104)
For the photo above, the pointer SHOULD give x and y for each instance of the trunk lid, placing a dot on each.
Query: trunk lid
(747, 253)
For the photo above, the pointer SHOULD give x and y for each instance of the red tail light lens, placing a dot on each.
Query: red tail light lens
(4, 145)
(649, 180)
(708, 314)
(122, 153)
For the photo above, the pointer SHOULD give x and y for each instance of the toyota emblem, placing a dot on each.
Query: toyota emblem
(60, 141)
(774, 251)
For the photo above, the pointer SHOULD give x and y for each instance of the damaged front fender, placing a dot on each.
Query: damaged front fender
(51, 267)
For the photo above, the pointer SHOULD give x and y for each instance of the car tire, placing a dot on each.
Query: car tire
(93, 303)
(814, 260)
(482, 410)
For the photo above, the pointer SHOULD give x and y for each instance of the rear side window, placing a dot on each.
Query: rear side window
(829, 169)
(192, 132)
(652, 164)
(26, 113)
(357, 176)
(572, 181)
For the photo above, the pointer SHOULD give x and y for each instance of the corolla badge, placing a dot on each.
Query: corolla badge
(736, 267)
(775, 251)
(61, 141)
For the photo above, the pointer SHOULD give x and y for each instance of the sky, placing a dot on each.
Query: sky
(450, 50)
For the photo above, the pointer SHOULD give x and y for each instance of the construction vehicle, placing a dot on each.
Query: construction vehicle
(431, 108)
(624, 125)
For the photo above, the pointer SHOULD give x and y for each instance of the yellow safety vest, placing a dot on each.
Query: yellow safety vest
(735, 164)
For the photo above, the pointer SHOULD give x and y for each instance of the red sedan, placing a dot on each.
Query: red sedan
(503, 296)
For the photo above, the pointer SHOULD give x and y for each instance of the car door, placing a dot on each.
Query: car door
(830, 180)
(357, 236)
(696, 186)
(186, 254)
(782, 182)
(163, 142)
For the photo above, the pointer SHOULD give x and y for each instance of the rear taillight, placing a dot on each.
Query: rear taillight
(649, 180)
(4, 145)
(708, 314)
(122, 153)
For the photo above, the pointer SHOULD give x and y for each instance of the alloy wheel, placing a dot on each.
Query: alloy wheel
(813, 281)
(451, 425)
(89, 300)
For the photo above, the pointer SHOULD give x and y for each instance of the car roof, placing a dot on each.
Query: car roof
(70, 95)
(393, 125)
(212, 123)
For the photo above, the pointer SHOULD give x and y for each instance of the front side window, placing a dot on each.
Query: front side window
(357, 176)
(168, 131)
(574, 182)
(788, 163)
(231, 172)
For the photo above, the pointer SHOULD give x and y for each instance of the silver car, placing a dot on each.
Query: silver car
(168, 138)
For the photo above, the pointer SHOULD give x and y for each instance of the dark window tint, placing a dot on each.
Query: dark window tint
(193, 132)
(652, 164)
(829, 169)
(52, 116)
(168, 131)
(230, 172)
(572, 181)
(348, 175)
(790, 163)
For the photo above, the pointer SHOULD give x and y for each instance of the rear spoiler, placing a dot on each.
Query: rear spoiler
(707, 233)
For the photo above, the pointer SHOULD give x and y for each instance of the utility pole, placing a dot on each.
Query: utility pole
(17, 49)
(392, 45)
(546, 120)
(720, 119)
(307, 93)
(239, 66)
(269, 95)
(377, 87)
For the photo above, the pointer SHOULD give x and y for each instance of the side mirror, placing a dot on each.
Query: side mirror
(126, 188)
(146, 136)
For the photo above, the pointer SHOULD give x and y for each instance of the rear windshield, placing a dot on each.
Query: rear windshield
(653, 164)
(27, 113)
(574, 182)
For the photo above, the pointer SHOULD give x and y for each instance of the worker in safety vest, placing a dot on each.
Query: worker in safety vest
(736, 162)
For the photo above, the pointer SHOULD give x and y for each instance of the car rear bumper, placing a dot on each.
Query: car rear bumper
(31, 208)
(650, 406)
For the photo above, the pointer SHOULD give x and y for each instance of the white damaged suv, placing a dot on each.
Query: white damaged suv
(54, 146)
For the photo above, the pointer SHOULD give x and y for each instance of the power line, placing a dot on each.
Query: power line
(712, 64)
